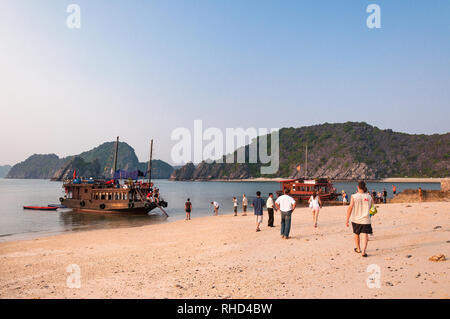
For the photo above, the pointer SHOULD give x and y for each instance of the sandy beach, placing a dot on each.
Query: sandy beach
(223, 257)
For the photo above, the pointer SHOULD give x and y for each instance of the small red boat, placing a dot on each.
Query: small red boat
(40, 208)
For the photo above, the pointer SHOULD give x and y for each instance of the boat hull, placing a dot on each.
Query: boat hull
(109, 207)
(45, 208)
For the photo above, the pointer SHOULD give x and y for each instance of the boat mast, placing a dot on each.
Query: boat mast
(150, 162)
(115, 157)
(306, 162)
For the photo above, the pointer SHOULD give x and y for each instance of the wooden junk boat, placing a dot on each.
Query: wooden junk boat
(302, 189)
(132, 196)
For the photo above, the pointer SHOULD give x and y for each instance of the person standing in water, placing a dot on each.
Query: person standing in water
(244, 205)
(359, 211)
(394, 189)
(270, 207)
(235, 206)
(258, 204)
(188, 208)
(315, 203)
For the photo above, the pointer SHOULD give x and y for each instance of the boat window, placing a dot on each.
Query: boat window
(103, 196)
(125, 196)
(109, 196)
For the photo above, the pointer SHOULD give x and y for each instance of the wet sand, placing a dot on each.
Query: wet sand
(223, 257)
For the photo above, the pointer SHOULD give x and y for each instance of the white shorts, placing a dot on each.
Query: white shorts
(315, 207)
(259, 218)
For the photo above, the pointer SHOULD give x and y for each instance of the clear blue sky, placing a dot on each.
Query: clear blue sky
(139, 69)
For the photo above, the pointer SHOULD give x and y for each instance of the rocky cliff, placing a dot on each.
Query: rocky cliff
(342, 151)
(94, 163)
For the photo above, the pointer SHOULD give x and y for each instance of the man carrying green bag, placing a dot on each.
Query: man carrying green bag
(360, 211)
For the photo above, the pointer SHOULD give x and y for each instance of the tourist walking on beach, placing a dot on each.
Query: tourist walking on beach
(270, 207)
(244, 205)
(385, 195)
(286, 204)
(235, 206)
(188, 208)
(344, 198)
(315, 203)
(359, 211)
(420, 194)
(258, 204)
(216, 208)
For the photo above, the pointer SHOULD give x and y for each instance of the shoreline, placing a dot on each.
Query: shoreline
(279, 179)
(223, 257)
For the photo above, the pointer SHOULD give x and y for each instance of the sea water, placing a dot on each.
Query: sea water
(17, 223)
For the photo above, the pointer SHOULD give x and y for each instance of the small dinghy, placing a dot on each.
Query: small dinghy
(40, 208)
(56, 205)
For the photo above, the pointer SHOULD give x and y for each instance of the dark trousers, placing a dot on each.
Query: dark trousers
(270, 211)
(285, 223)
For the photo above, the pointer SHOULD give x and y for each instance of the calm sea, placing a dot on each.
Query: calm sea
(16, 223)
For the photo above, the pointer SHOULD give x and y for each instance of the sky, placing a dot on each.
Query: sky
(140, 69)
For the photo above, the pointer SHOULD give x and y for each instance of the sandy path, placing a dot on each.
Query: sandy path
(223, 257)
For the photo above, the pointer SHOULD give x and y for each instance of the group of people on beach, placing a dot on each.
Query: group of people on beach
(358, 212)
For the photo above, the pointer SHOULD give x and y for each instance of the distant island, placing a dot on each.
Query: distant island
(94, 163)
(4, 169)
(343, 151)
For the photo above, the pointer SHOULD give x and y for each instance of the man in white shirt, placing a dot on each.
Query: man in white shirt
(359, 211)
(286, 204)
(216, 208)
(244, 205)
(270, 206)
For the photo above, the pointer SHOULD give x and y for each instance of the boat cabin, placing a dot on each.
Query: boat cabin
(302, 189)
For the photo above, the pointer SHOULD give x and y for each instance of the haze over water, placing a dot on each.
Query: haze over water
(17, 223)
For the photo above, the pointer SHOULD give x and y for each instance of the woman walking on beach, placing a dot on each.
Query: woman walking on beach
(188, 208)
(315, 203)
(359, 210)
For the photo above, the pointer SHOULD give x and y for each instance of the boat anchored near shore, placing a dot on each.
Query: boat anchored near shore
(112, 196)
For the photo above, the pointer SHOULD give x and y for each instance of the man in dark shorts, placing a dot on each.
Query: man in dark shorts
(359, 211)
(270, 206)
(188, 208)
